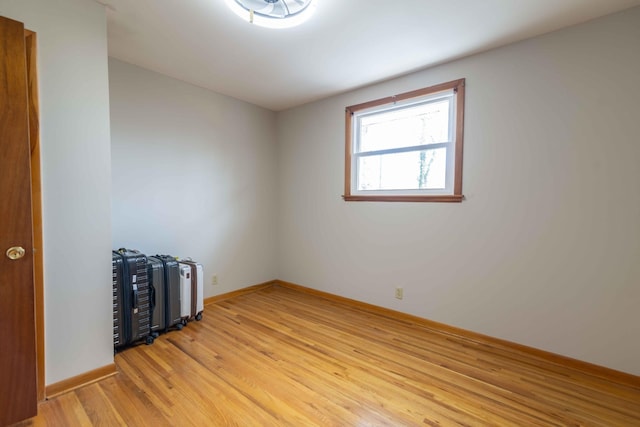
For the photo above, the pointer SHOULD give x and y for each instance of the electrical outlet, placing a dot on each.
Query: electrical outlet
(214, 280)
(399, 293)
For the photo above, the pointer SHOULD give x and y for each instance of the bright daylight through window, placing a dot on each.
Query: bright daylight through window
(406, 147)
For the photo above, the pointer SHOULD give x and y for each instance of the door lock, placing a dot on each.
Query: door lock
(15, 252)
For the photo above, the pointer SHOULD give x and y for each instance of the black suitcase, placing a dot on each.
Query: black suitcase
(171, 291)
(118, 321)
(135, 303)
(155, 273)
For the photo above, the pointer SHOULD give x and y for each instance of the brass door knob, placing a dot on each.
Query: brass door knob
(15, 252)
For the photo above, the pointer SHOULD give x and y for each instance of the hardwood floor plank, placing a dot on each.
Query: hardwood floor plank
(281, 357)
(445, 384)
(323, 359)
(72, 411)
(391, 359)
(253, 350)
(199, 397)
(98, 407)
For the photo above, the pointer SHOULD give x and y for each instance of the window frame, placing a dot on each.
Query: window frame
(458, 88)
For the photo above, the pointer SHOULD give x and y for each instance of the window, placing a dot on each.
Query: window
(406, 147)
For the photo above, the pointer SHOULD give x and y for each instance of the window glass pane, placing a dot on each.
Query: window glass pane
(412, 170)
(426, 123)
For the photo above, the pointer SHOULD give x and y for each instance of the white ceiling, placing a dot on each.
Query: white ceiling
(346, 44)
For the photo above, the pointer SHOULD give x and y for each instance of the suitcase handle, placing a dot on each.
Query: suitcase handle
(135, 298)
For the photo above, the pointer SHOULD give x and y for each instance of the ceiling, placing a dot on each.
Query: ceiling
(345, 45)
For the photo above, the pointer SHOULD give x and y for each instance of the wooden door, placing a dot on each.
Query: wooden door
(18, 384)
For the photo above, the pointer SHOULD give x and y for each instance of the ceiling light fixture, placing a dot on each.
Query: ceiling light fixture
(273, 13)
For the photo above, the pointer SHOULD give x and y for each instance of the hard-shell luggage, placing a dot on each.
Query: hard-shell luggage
(185, 292)
(157, 295)
(118, 320)
(135, 303)
(171, 281)
(197, 289)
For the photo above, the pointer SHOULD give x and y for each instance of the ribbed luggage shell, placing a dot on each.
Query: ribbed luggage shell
(118, 321)
(135, 303)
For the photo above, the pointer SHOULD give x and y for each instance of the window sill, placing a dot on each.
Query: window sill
(436, 199)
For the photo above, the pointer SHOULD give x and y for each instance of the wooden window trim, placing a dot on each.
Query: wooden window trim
(458, 87)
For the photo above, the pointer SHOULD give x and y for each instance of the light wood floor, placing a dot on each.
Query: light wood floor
(282, 357)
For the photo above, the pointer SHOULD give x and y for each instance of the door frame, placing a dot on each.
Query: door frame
(36, 205)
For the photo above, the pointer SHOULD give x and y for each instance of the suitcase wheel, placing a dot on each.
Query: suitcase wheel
(184, 322)
(179, 326)
(150, 340)
(199, 316)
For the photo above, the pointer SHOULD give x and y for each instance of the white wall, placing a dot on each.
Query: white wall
(194, 174)
(76, 183)
(544, 251)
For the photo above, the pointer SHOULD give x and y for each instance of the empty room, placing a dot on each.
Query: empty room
(418, 212)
